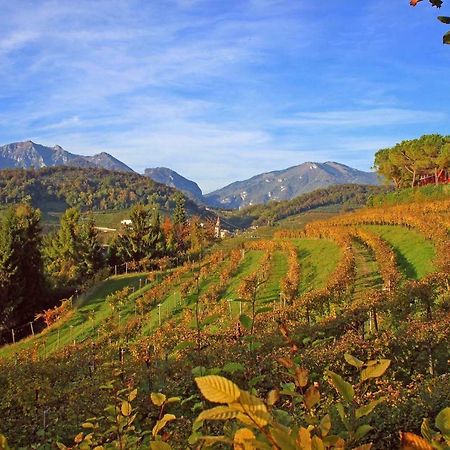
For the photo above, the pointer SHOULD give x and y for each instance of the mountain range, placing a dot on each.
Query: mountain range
(287, 184)
(271, 186)
(173, 179)
(28, 154)
(277, 185)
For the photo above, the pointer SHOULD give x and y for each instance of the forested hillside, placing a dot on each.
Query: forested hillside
(86, 189)
(346, 196)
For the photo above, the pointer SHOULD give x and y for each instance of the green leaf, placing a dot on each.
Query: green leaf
(367, 409)
(160, 445)
(341, 411)
(283, 439)
(375, 369)
(362, 431)
(183, 345)
(353, 360)
(446, 38)
(443, 421)
(264, 309)
(87, 425)
(325, 425)
(233, 367)
(254, 346)
(211, 319)
(344, 388)
(444, 19)
(245, 321)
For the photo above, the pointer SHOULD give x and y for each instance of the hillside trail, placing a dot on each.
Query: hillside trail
(367, 274)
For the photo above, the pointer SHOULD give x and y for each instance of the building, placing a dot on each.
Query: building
(443, 177)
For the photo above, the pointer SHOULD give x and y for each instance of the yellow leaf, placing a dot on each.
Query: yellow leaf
(304, 439)
(125, 408)
(311, 397)
(375, 369)
(218, 413)
(410, 441)
(157, 398)
(160, 445)
(317, 443)
(301, 376)
(132, 395)
(162, 423)
(243, 439)
(253, 407)
(218, 389)
(325, 425)
(273, 396)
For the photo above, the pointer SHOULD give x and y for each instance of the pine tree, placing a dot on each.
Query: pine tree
(73, 254)
(179, 213)
(22, 283)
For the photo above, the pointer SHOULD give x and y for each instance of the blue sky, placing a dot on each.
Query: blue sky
(222, 90)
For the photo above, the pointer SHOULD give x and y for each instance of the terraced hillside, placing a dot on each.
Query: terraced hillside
(374, 283)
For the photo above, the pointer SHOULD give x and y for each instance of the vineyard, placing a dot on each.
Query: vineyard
(363, 296)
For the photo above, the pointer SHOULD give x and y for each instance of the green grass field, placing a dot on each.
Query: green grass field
(414, 252)
(79, 326)
(318, 258)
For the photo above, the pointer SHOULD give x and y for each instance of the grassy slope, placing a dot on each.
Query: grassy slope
(367, 275)
(318, 259)
(279, 266)
(78, 326)
(413, 251)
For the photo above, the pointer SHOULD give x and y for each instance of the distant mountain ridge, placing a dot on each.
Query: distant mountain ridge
(28, 154)
(287, 184)
(173, 179)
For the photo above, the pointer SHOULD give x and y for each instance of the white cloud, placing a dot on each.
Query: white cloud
(380, 117)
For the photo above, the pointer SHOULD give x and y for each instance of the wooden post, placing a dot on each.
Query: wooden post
(115, 270)
(126, 268)
(140, 283)
(13, 336)
(32, 329)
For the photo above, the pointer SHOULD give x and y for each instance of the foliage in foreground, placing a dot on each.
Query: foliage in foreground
(252, 423)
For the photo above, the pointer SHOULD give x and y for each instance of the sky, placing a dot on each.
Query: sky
(222, 90)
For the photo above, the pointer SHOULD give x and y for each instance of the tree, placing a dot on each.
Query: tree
(143, 238)
(91, 253)
(22, 283)
(387, 166)
(179, 213)
(443, 19)
(73, 254)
